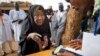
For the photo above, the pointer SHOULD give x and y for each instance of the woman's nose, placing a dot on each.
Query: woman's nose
(40, 16)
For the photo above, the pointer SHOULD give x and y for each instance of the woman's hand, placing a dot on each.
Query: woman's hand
(65, 54)
(45, 42)
(34, 36)
(76, 44)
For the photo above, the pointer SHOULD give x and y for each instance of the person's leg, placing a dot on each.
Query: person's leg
(58, 38)
(98, 32)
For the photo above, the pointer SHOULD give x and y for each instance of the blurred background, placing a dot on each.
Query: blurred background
(44, 3)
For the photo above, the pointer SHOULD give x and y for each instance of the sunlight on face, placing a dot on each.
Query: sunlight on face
(39, 17)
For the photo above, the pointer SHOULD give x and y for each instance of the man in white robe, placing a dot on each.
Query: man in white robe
(58, 25)
(17, 16)
(5, 28)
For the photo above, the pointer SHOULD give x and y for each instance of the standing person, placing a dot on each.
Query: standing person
(35, 35)
(88, 21)
(98, 31)
(97, 22)
(5, 32)
(17, 16)
(50, 13)
(58, 25)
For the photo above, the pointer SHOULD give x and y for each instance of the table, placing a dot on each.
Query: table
(42, 53)
(46, 52)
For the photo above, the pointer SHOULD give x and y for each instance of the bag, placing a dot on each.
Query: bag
(91, 44)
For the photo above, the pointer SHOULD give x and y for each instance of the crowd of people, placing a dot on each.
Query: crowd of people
(39, 30)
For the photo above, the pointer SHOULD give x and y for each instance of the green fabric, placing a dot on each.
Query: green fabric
(98, 1)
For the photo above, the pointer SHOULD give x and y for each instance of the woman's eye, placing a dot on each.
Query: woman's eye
(35, 15)
(38, 15)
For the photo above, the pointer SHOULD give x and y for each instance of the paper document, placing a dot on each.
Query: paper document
(91, 44)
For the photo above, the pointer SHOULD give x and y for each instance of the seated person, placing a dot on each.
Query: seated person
(35, 35)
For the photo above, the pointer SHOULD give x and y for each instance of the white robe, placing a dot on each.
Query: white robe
(5, 30)
(15, 15)
(58, 26)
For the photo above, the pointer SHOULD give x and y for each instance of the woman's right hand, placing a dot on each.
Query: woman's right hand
(34, 36)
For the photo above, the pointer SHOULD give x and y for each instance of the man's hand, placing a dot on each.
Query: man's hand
(76, 44)
(14, 21)
(20, 21)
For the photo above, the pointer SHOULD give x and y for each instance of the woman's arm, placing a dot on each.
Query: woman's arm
(25, 31)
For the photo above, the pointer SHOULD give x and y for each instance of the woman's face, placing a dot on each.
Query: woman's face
(39, 17)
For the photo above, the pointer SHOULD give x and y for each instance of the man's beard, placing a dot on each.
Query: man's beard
(61, 10)
(17, 8)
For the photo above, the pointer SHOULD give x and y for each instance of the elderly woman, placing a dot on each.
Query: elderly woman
(35, 35)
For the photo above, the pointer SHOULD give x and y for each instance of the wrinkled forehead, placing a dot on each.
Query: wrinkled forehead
(39, 11)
